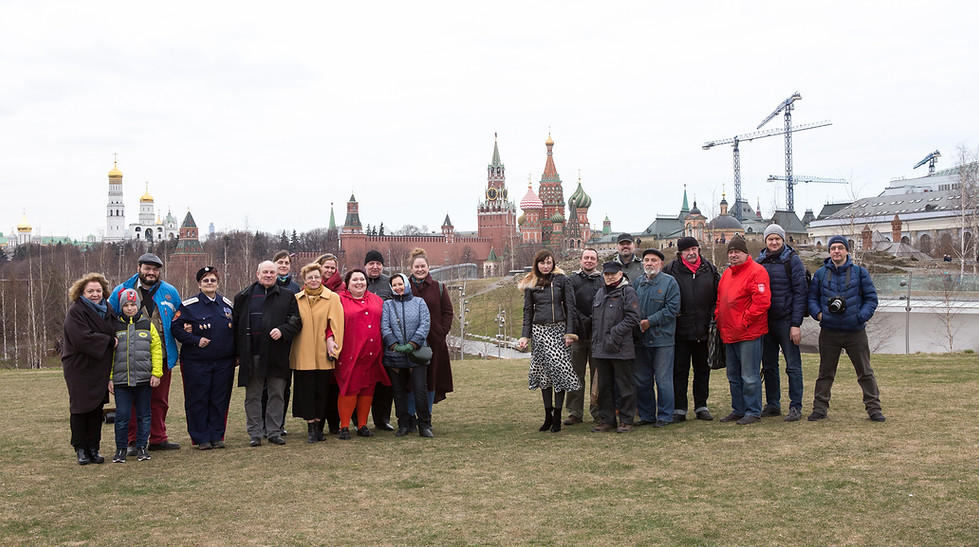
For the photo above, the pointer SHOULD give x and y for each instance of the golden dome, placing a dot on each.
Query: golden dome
(115, 173)
(23, 226)
(146, 198)
(549, 140)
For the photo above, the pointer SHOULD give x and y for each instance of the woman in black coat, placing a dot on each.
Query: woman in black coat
(87, 361)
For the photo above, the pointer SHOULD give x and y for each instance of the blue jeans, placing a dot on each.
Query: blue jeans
(654, 363)
(126, 398)
(412, 409)
(778, 336)
(743, 373)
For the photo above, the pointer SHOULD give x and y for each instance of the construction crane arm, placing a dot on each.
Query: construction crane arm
(929, 157)
(796, 179)
(785, 104)
(765, 133)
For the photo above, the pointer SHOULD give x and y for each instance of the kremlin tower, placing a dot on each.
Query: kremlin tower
(497, 217)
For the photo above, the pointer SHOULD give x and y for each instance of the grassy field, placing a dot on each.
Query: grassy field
(490, 477)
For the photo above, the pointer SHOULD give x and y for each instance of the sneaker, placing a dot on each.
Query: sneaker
(704, 415)
(120, 456)
(877, 416)
(204, 446)
(732, 417)
(218, 444)
(771, 410)
(748, 419)
(679, 418)
(142, 454)
(275, 439)
(131, 451)
(794, 415)
(816, 416)
(255, 441)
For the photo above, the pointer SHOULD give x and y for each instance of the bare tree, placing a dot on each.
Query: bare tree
(948, 309)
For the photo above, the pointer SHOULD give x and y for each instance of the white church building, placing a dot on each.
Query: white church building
(149, 228)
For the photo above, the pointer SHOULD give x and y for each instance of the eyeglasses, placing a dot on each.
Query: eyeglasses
(209, 280)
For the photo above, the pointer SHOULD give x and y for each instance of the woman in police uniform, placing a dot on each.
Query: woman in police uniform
(207, 360)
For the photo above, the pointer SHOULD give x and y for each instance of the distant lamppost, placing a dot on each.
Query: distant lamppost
(463, 310)
(500, 333)
(907, 315)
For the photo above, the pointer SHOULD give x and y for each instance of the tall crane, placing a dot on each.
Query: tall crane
(931, 160)
(736, 140)
(786, 107)
(796, 179)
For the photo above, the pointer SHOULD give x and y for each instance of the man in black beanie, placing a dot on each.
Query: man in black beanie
(379, 284)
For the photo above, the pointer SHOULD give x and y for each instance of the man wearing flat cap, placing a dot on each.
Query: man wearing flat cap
(697, 279)
(615, 315)
(203, 327)
(743, 299)
(659, 303)
(626, 257)
(159, 301)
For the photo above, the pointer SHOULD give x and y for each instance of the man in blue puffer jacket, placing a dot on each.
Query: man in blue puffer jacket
(787, 275)
(842, 298)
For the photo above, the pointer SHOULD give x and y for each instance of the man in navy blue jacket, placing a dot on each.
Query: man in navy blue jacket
(842, 298)
(787, 275)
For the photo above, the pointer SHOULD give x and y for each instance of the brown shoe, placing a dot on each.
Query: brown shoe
(624, 428)
(603, 428)
(572, 420)
(732, 417)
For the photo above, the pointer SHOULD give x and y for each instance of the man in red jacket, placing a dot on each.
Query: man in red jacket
(743, 299)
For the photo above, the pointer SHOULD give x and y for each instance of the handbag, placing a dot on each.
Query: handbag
(716, 353)
(422, 355)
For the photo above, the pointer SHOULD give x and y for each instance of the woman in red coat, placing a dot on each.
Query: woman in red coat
(439, 303)
(359, 366)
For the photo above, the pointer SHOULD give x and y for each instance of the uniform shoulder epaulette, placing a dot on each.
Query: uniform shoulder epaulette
(228, 301)
(190, 301)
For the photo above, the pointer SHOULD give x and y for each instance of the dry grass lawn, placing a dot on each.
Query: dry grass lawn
(490, 477)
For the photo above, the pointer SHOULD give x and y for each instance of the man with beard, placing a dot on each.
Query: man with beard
(697, 279)
(626, 257)
(659, 302)
(585, 283)
(159, 302)
(379, 284)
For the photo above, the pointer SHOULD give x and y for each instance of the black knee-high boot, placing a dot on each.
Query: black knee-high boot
(558, 404)
(546, 394)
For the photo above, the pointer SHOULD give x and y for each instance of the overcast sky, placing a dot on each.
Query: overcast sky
(262, 113)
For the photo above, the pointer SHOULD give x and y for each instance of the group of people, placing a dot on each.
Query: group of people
(641, 323)
(339, 347)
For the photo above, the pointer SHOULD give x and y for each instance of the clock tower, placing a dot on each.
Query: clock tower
(497, 218)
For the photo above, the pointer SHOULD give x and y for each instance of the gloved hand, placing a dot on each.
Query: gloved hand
(404, 348)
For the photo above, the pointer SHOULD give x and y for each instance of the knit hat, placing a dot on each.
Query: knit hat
(838, 239)
(656, 252)
(372, 256)
(775, 229)
(127, 296)
(738, 243)
(685, 243)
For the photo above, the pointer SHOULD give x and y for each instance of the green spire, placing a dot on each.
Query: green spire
(492, 256)
(333, 220)
(496, 154)
(684, 209)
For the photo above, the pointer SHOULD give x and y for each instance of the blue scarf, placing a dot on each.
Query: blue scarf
(101, 308)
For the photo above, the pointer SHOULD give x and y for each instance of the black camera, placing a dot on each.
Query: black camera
(837, 304)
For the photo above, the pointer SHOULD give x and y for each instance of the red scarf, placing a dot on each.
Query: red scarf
(335, 282)
(693, 267)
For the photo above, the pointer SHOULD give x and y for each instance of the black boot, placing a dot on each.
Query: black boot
(548, 419)
(319, 431)
(556, 421)
(83, 458)
(310, 432)
(94, 456)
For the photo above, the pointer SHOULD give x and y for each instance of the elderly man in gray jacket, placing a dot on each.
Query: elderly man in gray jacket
(615, 315)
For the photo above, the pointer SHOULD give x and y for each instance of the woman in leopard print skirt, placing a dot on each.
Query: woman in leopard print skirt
(549, 318)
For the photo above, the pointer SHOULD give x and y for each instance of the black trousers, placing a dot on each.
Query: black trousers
(312, 401)
(616, 389)
(381, 405)
(86, 429)
(415, 379)
(685, 351)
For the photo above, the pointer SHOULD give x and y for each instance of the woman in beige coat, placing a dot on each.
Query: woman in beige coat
(314, 352)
